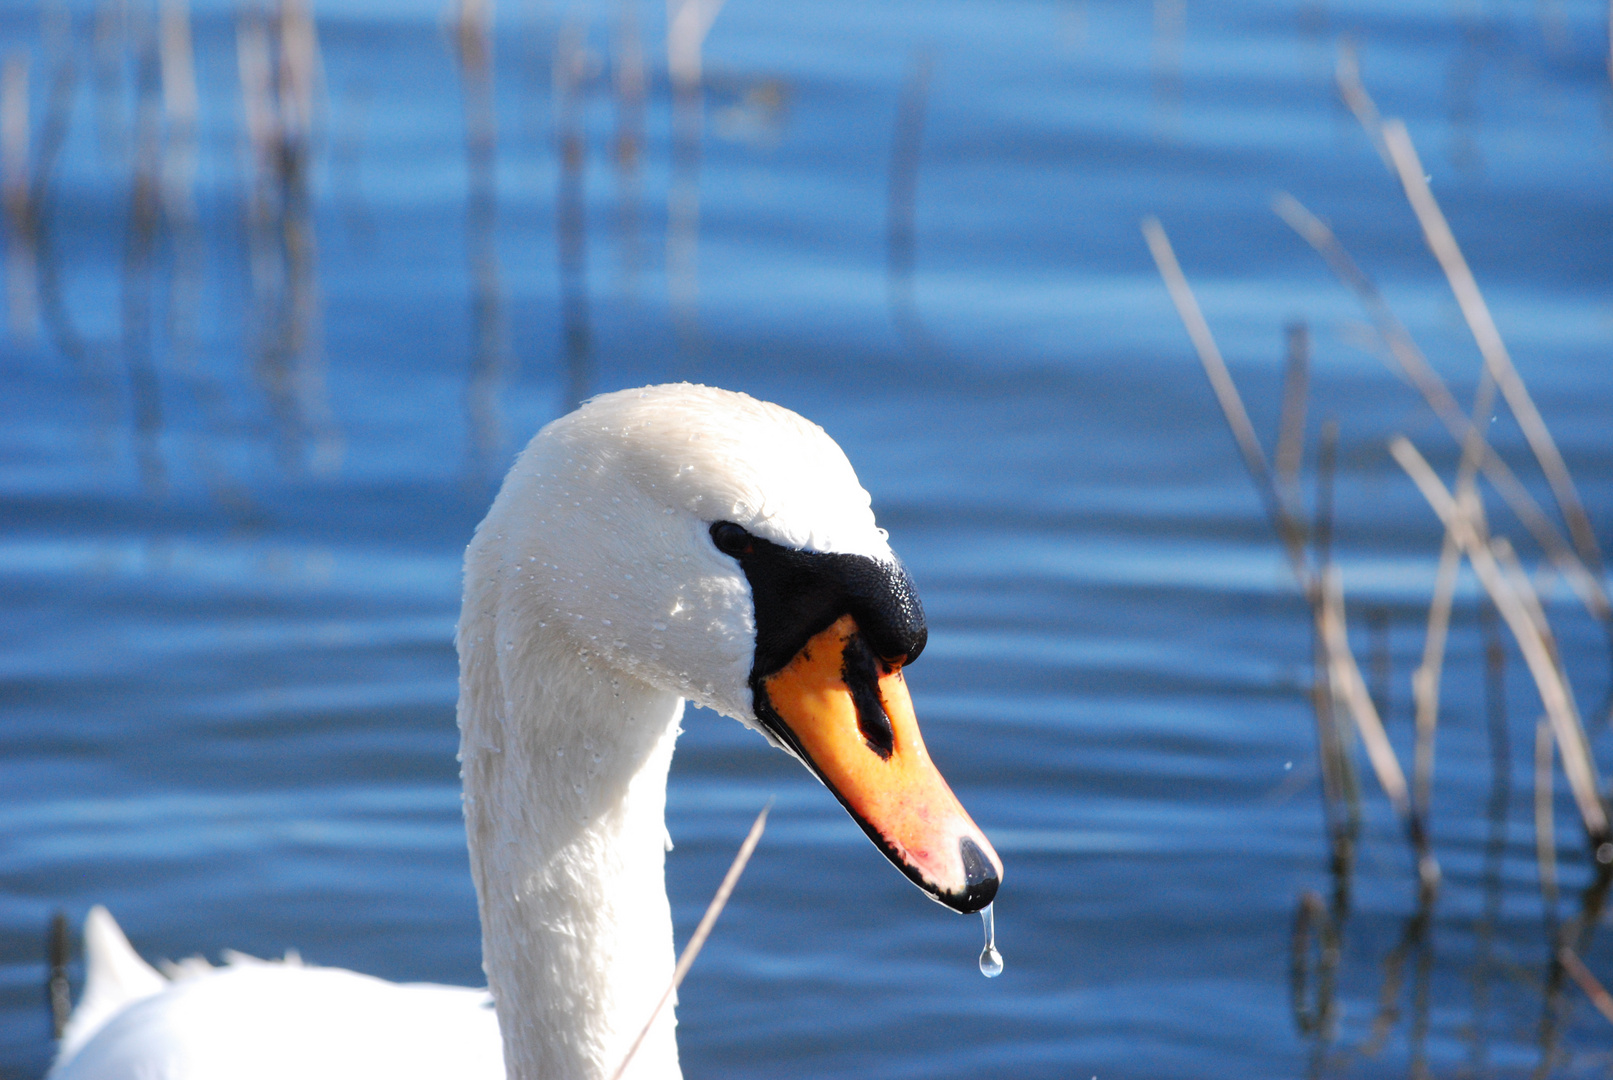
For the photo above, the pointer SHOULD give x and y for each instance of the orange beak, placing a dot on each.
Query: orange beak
(850, 718)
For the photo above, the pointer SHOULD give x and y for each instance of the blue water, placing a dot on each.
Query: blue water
(226, 665)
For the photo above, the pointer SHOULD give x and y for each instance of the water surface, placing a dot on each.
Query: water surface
(229, 567)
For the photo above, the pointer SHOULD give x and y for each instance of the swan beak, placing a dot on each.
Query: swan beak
(850, 719)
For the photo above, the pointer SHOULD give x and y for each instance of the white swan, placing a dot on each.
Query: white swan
(657, 545)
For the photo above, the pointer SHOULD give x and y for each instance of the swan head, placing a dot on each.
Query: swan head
(721, 548)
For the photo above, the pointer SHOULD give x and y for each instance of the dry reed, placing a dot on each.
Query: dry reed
(1443, 244)
(58, 953)
(1545, 827)
(1426, 679)
(1347, 75)
(571, 76)
(628, 69)
(1540, 657)
(277, 55)
(1341, 791)
(1587, 982)
(1415, 369)
(485, 375)
(22, 289)
(139, 253)
(688, 23)
(1291, 422)
(1322, 588)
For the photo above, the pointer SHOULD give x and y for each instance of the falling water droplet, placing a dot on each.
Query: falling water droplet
(991, 961)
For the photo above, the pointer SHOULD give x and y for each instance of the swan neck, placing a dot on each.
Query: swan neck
(564, 765)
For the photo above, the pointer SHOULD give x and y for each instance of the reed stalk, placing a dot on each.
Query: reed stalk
(688, 23)
(1291, 422)
(186, 251)
(278, 59)
(1341, 791)
(1278, 512)
(474, 52)
(1587, 982)
(1413, 366)
(1524, 587)
(1347, 73)
(22, 287)
(628, 69)
(139, 252)
(1550, 680)
(1440, 240)
(1345, 677)
(59, 953)
(1323, 590)
(1545, 828)
(1425, 681)
(570, 84)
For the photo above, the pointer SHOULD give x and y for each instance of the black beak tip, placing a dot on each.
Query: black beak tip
(980, 879)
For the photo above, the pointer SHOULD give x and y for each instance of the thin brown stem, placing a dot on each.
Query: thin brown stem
(1545, 829)
(1324, 592)
(1425, 682)
(1550, 680)
(1587, 982)
(1347, 74)
(1291, 426)
(1226, 391)
(1413, 366)
(1468, 297)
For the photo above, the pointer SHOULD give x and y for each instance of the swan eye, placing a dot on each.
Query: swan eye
(730, 539)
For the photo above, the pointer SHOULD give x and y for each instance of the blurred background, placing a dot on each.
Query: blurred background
(287, 284)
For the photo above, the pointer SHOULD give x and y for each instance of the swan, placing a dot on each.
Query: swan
(660, 545)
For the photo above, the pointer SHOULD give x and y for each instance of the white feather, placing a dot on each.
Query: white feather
(256, 1019)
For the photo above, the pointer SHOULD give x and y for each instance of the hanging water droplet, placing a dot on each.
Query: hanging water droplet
(991, 961)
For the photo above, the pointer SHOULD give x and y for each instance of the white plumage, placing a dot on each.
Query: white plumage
(594, 604)
(256, 1019)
